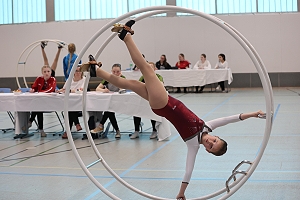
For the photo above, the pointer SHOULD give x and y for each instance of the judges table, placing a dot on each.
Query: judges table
(128, 103)
(187, 77)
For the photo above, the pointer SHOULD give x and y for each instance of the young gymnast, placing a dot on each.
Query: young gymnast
(45, 83)
(193, 130)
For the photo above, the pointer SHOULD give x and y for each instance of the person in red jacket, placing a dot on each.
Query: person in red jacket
(47, 84)
(182, 64)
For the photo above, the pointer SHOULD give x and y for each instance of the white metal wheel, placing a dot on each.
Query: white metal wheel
(261, 69)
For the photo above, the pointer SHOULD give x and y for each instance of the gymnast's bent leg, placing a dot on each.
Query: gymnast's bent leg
(55, 61)
(46, 62)
(134, 85)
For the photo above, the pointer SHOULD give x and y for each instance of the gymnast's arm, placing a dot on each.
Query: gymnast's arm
(193, 146)
(213, 124)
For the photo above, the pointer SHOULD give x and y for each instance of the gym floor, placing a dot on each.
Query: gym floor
(45, 168)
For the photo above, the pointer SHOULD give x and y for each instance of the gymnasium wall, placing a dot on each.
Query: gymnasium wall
(274, 36)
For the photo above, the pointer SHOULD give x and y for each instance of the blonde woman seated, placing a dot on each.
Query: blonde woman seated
(202, 64)
(77, 84)
(107, 87)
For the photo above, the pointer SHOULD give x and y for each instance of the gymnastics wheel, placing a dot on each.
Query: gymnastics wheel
(258, 63)
(27, 52)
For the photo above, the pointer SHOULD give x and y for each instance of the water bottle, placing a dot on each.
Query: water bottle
(130, 65)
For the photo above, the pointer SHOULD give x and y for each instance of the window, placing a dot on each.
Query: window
(236, 6)
(206, 6)
(277, 5)
(24, 11)
(108, 8)
(71, 9)
(19, 11)
(29, 11)
(136, 4)
(239, 6)
(6, 12)
(98, 9)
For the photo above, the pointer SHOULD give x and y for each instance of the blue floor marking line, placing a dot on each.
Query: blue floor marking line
(143, 178)
(276, 111)
(132, 167)
(221, 104)
(155, 151)
(274, 117)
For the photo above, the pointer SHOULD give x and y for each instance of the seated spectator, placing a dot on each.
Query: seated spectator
(69, 60)
(222, 64)
(45, 83)
(106, 87)
(182, 64)
(137, 120)
(162, 63)
(202, 64)
(76, 84)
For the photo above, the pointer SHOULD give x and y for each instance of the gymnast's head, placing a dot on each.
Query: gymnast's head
(214, 144)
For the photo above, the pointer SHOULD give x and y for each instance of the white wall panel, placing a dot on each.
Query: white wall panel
(275, 36)
(290, 43)
(267, 40)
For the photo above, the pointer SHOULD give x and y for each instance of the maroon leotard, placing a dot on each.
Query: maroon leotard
(185, 121)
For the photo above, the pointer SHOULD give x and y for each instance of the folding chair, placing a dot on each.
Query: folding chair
(8, 90)
(60, 122)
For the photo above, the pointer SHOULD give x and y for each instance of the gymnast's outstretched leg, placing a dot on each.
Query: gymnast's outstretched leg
(153, 89)
(157, 95)
(43, 45)
(55, 61)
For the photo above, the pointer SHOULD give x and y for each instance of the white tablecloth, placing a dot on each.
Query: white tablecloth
(187, 77)
(128, 103)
